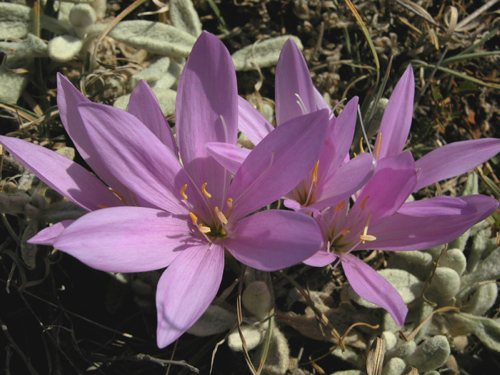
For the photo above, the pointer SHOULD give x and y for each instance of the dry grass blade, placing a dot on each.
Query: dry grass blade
(412, 335)
(418, 10)
(165, 362)
(375, 358)
(319, 315)
(462, 24)
(368, 37)
(115, 22)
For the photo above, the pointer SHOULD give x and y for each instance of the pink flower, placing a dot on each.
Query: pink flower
(173, 213)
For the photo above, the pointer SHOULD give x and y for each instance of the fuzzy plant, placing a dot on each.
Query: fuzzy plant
(76, 30)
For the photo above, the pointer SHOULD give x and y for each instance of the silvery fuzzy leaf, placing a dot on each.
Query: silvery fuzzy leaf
(257, 299)
(166, 98)
(431, 354)
(214, 320)
(63, 48)
(12, 84)
(482, 300)
(395, 366)
(454, 259)
(184, 17)
(487, 330)
(253, 334)
(16, 21)
(278, 356)
(32, 46)
(444, 285)
(262, 54)
(487, 270)
(154, 37)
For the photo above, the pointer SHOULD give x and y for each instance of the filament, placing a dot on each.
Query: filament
(301, 104)
(220, 215)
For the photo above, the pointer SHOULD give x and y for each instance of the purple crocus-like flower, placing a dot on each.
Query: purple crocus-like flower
(180, 215)
(334, 177)
(380, 219)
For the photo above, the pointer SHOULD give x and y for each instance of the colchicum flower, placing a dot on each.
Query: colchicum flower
(380, 218)
(334, 177)
(179, 215)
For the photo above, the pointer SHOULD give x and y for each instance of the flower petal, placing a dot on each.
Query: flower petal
(274, 239)
(144, 105)
(207, 111)
(321, 259)
(68, 98)
(338, 140)
(126, 239)
(49, 235)
(437, 206)
(186, 289)
(390, 186)
(396, 123)
(229, 156)
(454, 159)
(295, 94)
(278, 163)
(429, 228)
(345, 182)
(368, 284)
(251, 122)
(139, 160)
(61, 174)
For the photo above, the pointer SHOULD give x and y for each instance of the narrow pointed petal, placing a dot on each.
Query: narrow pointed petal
(437, 206)
(68, 99)
(144, 105)
(251, 122)
(368, 284)
(321, 259)
(278, 163)
(137, 157)
(396, 122)
(207, 111)
(229, 156)
(454, 159)
(186, 289)
(338, 140)
(49, 235)
(429, 228)
(62, 174)
(293, 85)
(126, 239)
(345, 182)
(274, 239)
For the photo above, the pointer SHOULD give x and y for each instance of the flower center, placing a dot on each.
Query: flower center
(305, 193)
(216, 227)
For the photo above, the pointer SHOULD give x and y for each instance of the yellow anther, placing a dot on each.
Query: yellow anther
(183, 189)
(314, 177)
(220, 215)
(364, 202)
(194, 218)
(229, 203)
(379, 144)
(119, 196)
(100, 206)
(355, 154)
(361, 145)
(344, 232)
(203, 229)
(339, 206)
(367, 237)
(204, 189)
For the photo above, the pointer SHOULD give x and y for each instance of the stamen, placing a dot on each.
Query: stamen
(183, 189)
(220, 215)
(315, 173)
(301, 104)
(229, 203)
(203, 229)
(364, 202)
(379, 144)
(361, 145)
(339, 206)
(204, 189)
(119, 196)
(101, 206)
(344, 232)
(365, 236)
(194, 218)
